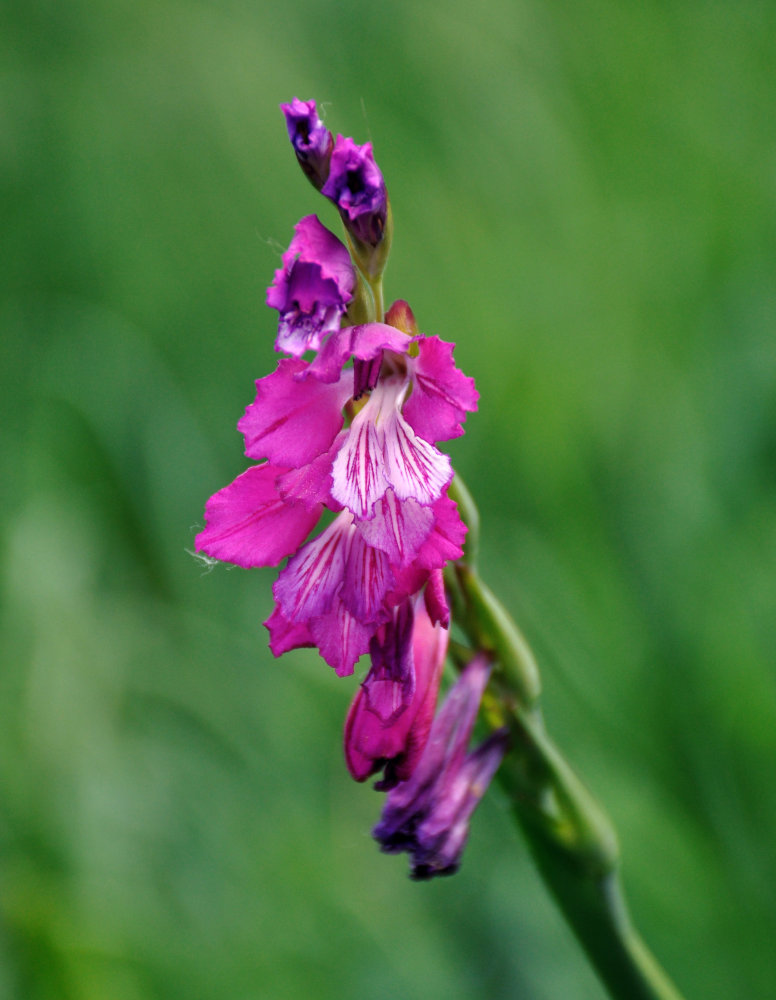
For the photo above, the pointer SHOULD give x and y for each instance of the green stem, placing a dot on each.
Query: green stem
(377, 291)
(571, 838)
(576, 852)
(362, 308)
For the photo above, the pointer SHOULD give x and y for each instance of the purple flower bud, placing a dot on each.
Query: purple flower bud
(312, 289)
(428, 815)
(390, 717)
(310, 138)
(357, 188)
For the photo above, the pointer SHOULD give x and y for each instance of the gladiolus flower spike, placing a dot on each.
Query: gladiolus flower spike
(349, 422)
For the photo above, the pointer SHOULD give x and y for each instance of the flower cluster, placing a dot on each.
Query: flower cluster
(349, 424)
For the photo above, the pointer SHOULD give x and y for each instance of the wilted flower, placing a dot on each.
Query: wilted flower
(428, 815)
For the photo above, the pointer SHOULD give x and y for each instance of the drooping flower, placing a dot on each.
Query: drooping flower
(310, 138)
(356, 186)
(390, 717)
(428, 815)
(312, 289)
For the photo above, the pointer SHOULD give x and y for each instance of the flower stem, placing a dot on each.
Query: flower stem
(571, 838)
(575, 848)
(377, 291)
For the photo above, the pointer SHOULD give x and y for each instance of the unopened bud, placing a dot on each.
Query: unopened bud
(310, 138)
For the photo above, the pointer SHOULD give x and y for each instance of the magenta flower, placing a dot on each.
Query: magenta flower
(312, 289)
(388, 481)
(356, 186)
(298, 412)
(428, 815)
(396, 525)
(310, 138)
(384, 450)
(390, 717)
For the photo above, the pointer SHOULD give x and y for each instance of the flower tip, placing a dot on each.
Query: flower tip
(310, 138)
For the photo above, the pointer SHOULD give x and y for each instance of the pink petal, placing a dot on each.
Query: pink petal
(312, 579)
(369, 340)
(386, 700)
(362, 342)
(390, 685)
(358, 479)
(435, 599)
(249, 524)
(312, 483)
(340, 638)
(441, 393)
(368, 742)
(367, 579)
(361, 756)
(442, 545)
(429, 646)
(382, 450)
(293, 421)
(445, 542)
(414, 468)
(286, 635)
(383, 728)
(314, 242)
(399, 528)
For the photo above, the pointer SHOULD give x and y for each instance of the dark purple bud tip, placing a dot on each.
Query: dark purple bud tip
(310, 138)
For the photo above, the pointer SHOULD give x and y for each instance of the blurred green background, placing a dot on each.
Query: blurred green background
(584, 201)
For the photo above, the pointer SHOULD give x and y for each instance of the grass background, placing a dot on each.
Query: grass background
(584, 201)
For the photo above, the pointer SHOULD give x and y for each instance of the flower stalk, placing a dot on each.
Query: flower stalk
(570, 837)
